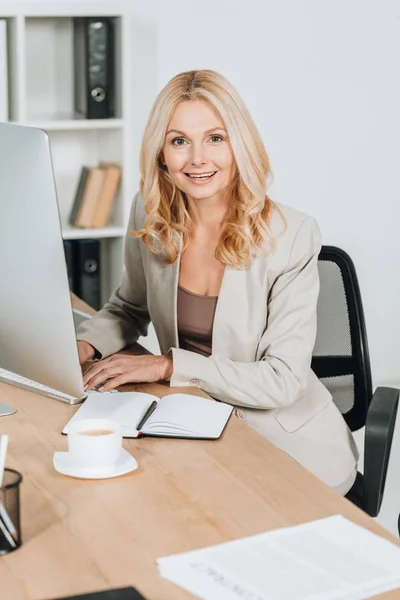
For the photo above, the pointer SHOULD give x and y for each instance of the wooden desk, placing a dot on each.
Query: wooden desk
(81, 536)
(81, 305)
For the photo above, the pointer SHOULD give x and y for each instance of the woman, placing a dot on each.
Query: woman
(228, 278)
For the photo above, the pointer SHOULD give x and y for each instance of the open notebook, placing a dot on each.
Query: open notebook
(175, 415)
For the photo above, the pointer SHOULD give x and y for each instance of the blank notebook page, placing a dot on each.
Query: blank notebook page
(184, 413)
(127, 408)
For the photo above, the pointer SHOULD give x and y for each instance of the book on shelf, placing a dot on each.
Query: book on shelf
(94, 196)
(3, 71)
(90, 197)
(142, 414)
(112, 176)
(78, 195)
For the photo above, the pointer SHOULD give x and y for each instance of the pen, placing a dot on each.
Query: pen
(147, 414)
(3, 453)
(5, 518)
(7, 534)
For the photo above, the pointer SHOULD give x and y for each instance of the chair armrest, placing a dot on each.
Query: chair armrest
(379, 429)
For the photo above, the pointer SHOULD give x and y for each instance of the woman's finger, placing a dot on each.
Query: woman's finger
(115, 382)
(99, 366)
(90, 370)
(102, 376)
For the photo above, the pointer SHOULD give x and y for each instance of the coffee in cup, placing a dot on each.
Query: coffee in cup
(96, 432)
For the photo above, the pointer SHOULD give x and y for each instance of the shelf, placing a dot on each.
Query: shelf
(73, 149)
(76, 124)
(63, 9)
(50, 62)
(73, 233)
(42, 62)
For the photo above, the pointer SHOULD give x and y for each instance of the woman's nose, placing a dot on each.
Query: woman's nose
(198, 155)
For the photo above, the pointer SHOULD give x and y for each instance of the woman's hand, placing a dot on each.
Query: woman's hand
(85, 351)
(117, 369)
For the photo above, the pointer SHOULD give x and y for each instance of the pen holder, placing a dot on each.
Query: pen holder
(10, 528)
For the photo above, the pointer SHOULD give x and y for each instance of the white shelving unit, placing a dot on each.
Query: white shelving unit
(40, 66)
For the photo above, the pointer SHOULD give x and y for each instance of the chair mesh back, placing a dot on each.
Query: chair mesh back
(340, 357)
(333, 331)
(333, 321)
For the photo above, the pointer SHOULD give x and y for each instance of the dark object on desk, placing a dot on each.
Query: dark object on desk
(341, 362)
(128, 593)
(87, 272)
(94, 67)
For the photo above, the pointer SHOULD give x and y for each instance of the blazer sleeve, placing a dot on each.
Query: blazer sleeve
(124, 318)
(285, 350)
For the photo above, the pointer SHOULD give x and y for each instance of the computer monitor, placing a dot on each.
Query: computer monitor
(37, 332)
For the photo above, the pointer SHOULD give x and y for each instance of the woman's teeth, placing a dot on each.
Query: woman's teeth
(201, 176)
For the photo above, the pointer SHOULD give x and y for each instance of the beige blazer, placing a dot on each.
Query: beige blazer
(263, 337)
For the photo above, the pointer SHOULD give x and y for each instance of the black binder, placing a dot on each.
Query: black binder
(69, 259)
(94, 67)
(128, 593)
(87, 272)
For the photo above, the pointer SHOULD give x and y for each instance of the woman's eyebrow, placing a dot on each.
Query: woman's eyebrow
(206, 132)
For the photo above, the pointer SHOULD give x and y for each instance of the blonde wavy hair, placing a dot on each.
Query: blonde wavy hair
(168, 212)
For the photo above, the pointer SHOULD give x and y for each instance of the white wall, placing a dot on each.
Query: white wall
(321, 81)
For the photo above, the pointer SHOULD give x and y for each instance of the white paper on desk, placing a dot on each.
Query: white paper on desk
(329, 559)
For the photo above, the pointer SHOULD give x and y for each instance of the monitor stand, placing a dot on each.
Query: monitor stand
(6, 410)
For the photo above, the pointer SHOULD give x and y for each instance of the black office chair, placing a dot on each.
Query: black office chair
(341, 362)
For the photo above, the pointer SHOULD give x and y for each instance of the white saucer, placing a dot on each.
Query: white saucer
(64, 464)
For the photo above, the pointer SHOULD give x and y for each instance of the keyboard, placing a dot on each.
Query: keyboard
(18, 380)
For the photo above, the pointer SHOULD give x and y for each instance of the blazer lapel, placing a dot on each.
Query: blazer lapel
(229, 312)
(241, 313)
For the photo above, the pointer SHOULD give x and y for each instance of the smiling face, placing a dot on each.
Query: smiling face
(197, 151)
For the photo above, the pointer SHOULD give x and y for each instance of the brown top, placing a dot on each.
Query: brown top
(195, 321)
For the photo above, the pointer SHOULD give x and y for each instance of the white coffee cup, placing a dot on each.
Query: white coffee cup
(95, 443)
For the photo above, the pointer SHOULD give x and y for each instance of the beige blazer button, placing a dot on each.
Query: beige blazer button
(194, 382)
(240, 414)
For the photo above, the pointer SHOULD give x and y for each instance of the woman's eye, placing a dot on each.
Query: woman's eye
(216, 138)
(178, 142)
